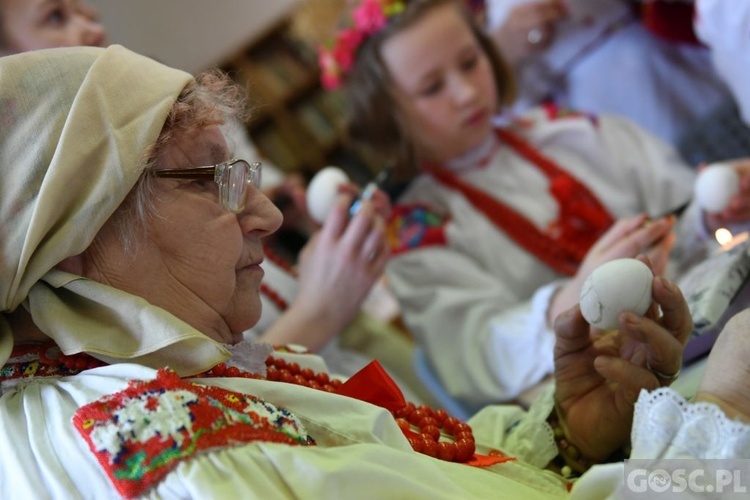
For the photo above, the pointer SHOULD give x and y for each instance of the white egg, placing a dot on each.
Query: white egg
(614, 287)
(715, 186)
(322, 192)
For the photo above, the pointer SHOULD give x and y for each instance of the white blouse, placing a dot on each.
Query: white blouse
(477, 303)
(360, 451)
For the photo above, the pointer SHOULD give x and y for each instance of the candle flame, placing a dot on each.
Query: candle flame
(723, 236)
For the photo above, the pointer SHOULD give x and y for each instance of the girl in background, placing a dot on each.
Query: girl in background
(498, 227)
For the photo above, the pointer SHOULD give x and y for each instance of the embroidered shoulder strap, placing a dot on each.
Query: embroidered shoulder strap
(581, 221)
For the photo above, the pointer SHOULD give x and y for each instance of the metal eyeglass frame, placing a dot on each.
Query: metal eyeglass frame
(232, 177)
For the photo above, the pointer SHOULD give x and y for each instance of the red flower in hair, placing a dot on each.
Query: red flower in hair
(330, 74)
(342, 52)
(369, 16)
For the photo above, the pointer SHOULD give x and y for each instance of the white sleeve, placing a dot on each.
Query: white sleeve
(483, 345)
(655, 171)
(663, 181)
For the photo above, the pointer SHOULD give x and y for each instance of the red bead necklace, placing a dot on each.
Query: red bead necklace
(431, 425)
(279, 261)
(274, 296)
(431, 432)
(427, 422)
(266, 289)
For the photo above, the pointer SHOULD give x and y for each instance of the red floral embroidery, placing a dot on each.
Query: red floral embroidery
(141, 433)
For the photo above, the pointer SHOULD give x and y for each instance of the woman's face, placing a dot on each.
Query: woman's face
(196, 260)
(445, 91)
(45, 24)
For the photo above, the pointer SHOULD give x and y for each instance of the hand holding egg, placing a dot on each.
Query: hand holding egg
(614, 287)
(715, 186)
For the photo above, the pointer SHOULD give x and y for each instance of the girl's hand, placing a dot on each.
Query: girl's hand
(628, 237)
(338, 267)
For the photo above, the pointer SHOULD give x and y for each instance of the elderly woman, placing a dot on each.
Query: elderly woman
(316, 305)
(130, 254)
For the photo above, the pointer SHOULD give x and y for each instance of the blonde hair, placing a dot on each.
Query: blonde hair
(373, 118)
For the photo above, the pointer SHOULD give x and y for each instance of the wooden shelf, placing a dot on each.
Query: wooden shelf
(294, 122)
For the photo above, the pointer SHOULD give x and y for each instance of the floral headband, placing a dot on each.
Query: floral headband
(369, 17)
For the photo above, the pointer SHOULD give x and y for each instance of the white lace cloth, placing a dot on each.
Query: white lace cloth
(666, 426)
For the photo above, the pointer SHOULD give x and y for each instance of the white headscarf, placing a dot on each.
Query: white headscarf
(724, 25)
(75, 126)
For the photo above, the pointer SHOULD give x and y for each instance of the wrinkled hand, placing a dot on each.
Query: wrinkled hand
(338, 267)
(739, 207)
(513, 35)
(627, 238)
(599, 375)
(726, 380)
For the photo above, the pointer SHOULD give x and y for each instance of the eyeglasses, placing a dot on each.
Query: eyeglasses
(231, 176)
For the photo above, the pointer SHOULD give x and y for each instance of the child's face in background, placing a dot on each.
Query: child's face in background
(444, 84)
(42, 24)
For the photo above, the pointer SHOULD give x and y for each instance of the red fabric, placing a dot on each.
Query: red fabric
(487, 460)
(672, 21)
(373, 385)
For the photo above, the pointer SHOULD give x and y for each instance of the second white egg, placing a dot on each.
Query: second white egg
(322, 192)
(715, 186)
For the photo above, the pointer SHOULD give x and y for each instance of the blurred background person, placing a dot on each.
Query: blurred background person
(40, 24)
(637, 59)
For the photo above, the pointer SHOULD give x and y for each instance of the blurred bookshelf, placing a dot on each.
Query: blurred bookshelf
(294, 122)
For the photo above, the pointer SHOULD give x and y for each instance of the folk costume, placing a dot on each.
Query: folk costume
(129, 401)
(638, 59)
(481, 244)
